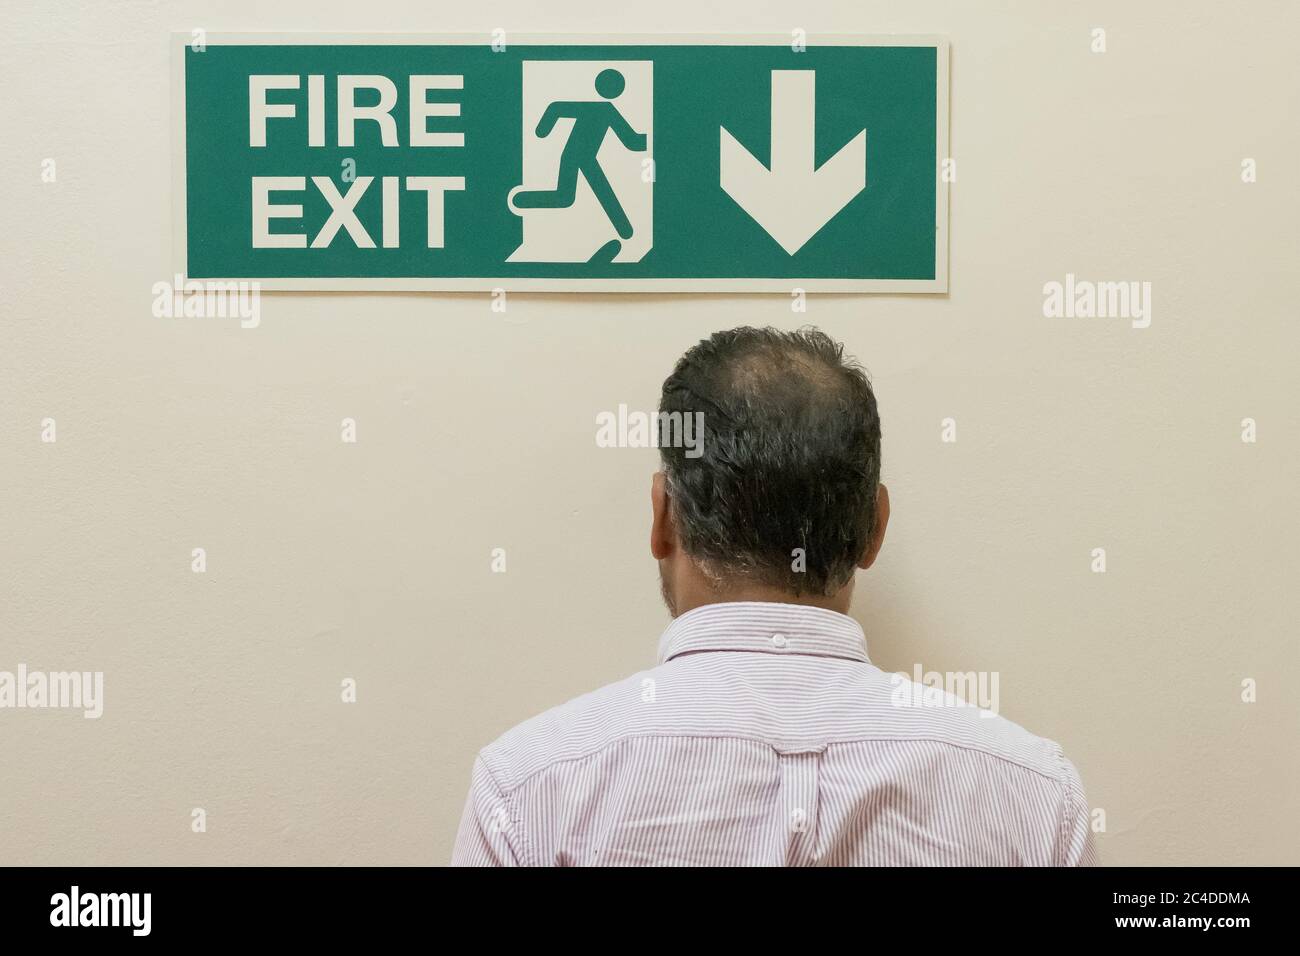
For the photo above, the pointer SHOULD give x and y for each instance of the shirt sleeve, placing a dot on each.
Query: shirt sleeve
(487, 834)
(1076, 845)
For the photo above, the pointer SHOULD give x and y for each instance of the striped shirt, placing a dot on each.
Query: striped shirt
(765, 736)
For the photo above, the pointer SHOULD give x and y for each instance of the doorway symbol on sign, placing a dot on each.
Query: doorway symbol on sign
(794, 198)
(583, 197)
(591, 121)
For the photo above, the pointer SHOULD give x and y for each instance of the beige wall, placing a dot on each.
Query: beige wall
(371, 561)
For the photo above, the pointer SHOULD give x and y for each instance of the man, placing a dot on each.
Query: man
(765, 736)
(591, 122)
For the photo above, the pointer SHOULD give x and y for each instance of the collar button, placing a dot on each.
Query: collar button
(778, 640)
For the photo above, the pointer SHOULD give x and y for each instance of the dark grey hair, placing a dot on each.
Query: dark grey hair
(791, 459)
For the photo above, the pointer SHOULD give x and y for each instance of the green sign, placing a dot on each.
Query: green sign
(562, 163)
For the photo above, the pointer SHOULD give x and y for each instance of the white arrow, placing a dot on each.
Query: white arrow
(793, 200)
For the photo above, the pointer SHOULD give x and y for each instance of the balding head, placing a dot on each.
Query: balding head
(790, 463)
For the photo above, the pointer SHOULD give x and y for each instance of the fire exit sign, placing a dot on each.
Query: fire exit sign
(598, 163)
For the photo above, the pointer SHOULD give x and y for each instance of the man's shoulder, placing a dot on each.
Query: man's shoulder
(568, 731)
(872, 707)
(919, 712)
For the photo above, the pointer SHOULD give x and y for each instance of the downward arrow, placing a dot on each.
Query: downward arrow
(793, 200)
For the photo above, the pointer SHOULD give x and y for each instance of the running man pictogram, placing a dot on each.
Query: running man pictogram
(591, 121)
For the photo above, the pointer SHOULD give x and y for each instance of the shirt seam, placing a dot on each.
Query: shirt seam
(507, 797)
(1055, 778)
(1070, 806)
(855, 657)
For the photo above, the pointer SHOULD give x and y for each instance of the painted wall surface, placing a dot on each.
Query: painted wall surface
(371, 561)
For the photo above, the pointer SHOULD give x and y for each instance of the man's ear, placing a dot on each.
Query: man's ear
(662, 538)
(878, 534)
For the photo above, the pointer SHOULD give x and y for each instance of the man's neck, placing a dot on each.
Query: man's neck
(699, 597)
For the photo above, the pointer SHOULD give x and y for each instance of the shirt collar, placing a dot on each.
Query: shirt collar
(764, 627)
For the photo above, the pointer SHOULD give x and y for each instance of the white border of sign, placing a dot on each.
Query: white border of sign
(939, 284)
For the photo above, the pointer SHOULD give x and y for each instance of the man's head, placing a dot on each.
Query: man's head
(610, 83)
(785, 501)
